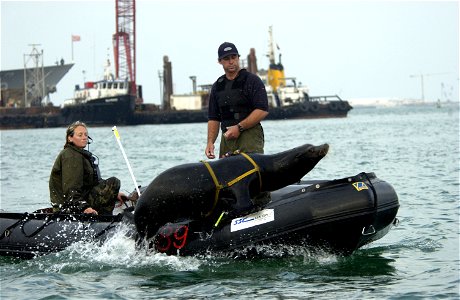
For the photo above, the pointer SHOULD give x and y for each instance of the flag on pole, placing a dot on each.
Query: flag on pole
(75, 38)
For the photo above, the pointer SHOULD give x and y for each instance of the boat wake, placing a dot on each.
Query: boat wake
(120, 250)
(261, 251)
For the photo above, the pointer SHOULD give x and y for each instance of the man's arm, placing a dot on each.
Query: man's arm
(254, 118)
(213, 132)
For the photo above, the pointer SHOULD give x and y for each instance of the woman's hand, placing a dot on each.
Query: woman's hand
(90, 210)
(122, 197)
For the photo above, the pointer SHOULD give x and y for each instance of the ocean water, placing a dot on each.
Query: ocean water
(415, 148)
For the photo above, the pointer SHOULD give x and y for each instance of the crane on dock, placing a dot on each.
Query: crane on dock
(422, 77)
(124, 44)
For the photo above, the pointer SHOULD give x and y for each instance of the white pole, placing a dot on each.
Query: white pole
(115, 131)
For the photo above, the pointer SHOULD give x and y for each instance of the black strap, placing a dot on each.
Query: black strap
(7, 231)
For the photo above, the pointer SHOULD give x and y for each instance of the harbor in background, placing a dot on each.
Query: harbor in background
(117, 98)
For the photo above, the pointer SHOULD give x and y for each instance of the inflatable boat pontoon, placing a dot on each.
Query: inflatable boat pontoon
(341, 215)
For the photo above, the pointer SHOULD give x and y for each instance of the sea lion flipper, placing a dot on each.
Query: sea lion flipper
(243, 202)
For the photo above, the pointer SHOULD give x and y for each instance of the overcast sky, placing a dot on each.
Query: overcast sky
(357, 49)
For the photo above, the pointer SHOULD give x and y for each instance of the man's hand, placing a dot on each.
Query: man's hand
(232, 133)
(209, 152)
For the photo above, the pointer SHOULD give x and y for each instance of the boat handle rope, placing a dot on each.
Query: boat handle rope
(48, 221)
(371, 230)
(22, 221)
(110, 226)
(374, 192)
(7, 231)
(231, 182)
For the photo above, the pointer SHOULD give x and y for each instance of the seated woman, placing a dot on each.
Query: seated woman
(75, 184)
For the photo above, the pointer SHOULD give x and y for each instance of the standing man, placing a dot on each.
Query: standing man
(238, 103)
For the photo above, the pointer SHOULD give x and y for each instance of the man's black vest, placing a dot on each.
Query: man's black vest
(233, 104)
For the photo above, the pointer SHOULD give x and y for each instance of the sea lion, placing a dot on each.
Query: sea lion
(203, 190)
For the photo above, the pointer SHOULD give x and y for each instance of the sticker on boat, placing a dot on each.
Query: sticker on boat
(359, 186)
(255, 219)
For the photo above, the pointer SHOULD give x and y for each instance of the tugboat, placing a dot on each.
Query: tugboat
(289, 99)
(108, 101)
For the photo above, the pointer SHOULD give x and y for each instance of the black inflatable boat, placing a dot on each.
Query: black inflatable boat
(26, 235)
(339, 215)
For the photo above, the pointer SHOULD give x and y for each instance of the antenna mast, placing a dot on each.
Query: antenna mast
(34, 78)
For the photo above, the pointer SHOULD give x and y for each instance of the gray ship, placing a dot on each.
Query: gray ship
(25, 96)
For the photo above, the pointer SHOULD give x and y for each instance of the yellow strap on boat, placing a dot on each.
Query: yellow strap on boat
(216, 183)
(256, 167)
(232, 182)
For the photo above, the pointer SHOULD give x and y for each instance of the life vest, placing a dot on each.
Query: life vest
(95, 164)
(94, 161)
(234, 105)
